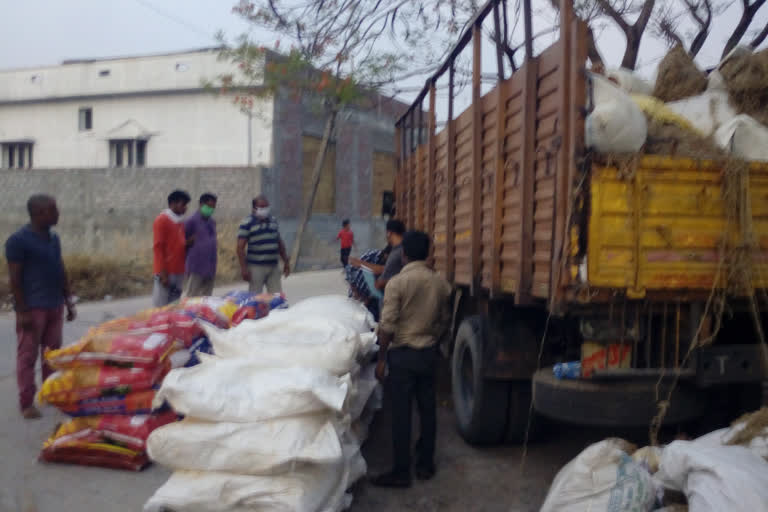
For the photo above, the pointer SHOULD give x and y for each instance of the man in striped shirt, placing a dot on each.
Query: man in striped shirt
(258, 247)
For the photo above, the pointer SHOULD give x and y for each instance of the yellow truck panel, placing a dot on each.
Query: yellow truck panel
(660, 225)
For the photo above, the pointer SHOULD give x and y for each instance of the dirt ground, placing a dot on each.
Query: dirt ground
(469, 479)
(473, 479)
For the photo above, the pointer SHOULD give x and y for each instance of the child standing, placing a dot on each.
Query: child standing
(347, 238)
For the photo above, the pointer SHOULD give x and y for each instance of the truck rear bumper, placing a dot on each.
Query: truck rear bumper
(731, 364)
(624, 403)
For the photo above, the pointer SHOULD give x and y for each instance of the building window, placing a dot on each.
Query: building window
(85, 119)
(127, 152)
(16, 155)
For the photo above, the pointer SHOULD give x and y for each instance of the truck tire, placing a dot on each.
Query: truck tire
(480, 404)
(629, 403)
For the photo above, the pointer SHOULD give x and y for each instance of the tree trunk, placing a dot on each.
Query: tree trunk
(316, 174)
(632, 51)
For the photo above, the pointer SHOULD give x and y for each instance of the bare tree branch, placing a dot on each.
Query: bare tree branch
(749, 10)
(759, 38)
(704, 23)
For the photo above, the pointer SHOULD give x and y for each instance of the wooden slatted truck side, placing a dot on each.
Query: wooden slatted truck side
(555, 256)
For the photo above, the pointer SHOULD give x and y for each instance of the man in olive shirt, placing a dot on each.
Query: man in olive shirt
(415, 315)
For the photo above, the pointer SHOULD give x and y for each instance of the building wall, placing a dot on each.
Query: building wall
(360, 138)
(129, 75)
(110, 212)
(192, 129)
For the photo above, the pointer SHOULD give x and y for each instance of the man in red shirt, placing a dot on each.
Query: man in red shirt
(347, 238)
(170, 250)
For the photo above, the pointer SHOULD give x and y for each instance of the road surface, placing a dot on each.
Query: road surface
(468, 479)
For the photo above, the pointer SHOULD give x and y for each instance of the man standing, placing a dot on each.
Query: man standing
(347, 239)
(258, 247)
(201, 256)
(395, 231)
(170, 250)
(40, 290)
(415, 315)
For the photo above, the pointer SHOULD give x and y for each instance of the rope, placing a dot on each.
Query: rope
(737, 254)
(558, 269)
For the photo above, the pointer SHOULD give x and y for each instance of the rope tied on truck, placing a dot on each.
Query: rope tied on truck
(734, 278)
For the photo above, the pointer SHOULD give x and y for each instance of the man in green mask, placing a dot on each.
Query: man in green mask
(202, 247)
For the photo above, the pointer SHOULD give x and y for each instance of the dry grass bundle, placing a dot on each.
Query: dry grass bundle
(678, 77)
(746, 77)
(755, 425)
(671, 139)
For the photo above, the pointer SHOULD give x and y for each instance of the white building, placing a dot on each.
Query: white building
(128, 112)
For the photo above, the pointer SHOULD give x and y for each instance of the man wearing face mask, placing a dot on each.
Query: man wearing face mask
(170, 250)
(258, 247)
(201, 256)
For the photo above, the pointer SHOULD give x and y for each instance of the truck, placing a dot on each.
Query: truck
(649, 270)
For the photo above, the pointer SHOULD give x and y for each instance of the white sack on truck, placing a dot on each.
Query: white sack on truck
(602, 478)
(744, 137)
(314, 488)
(715, 478)
(629, 82)
(235, 390)
(276, 342)
(707, 111)
(615, 124)
(266, 447)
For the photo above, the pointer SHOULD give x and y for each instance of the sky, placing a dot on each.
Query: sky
(37, 33)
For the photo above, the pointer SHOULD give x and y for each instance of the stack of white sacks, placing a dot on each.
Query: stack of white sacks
(275, 419)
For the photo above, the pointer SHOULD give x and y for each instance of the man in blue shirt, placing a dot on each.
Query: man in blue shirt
(40, 291)
(258, 247)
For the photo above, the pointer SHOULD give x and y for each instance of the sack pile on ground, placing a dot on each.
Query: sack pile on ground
(688, 113)
(275, 418)
(724, 470)
(107, 381)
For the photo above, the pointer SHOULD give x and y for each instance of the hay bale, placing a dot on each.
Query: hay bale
(754, 425)
(746, 78)
(674, 140)
(678, 77)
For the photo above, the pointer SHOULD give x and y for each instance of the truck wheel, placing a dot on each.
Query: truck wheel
(480, 404)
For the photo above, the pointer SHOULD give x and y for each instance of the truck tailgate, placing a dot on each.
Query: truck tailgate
(659, 224)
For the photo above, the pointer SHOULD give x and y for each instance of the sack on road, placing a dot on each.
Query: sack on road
(343, 309)
(602, 478)
(311, 488)
(112, 441)
(67, 387)
(118, 349)
(261, 448)
(240, 391)
(715, 478)
(275, 342)
(132, 404)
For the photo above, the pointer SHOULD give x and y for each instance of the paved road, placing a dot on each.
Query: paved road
(469, 479)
